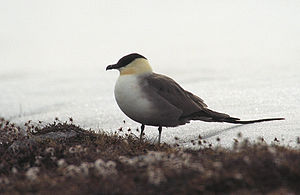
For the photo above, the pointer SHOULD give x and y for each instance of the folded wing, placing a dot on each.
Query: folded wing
(192, 106)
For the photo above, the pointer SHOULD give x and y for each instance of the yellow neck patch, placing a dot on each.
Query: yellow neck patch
(137, 66)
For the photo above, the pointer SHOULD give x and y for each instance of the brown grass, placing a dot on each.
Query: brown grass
(101, 163)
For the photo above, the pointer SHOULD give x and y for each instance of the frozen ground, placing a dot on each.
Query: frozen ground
(241, 58)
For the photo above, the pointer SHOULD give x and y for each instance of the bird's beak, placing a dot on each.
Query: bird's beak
(110, 67)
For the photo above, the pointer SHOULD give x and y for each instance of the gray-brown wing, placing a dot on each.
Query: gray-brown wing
(175, 94)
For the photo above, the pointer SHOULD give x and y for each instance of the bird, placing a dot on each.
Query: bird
(153, 99)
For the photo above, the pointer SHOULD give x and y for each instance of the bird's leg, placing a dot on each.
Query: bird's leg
(142, 131)
(159, 135)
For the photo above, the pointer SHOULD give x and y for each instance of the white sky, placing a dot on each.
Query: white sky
(44, 34)
(241, 56)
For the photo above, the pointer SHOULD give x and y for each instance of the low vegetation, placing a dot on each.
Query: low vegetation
(63, 158)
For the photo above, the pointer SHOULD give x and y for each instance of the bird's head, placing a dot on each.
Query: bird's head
(132, 64)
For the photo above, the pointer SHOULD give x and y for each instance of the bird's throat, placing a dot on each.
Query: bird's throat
(138, 66)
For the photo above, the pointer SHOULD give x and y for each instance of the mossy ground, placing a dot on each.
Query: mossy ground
(85, 162)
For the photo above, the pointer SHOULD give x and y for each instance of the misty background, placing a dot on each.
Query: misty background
(241, 57)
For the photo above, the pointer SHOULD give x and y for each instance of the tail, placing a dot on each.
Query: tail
(213, 116)
(238, 121)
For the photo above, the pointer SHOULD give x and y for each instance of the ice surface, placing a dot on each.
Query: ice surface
(241, 58)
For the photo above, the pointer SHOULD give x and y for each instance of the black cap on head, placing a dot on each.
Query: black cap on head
(125, 61)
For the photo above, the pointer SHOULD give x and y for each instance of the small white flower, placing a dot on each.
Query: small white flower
(14, 170)
(32, 172)
(111, 164)
(84, 170)
(99, 163)
(238, 176)
(79, 148)
(72, 150)
(72, 171)
(50, 150)
(84, 167)
(61, 163)
(105, 169)
(37, 162)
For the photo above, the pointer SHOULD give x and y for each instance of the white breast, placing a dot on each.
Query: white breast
(131, 99)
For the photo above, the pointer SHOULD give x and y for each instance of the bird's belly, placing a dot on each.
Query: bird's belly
(132, 101)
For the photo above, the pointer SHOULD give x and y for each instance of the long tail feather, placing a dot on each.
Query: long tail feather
(213, 116)
(230, 120)
(222, 117)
